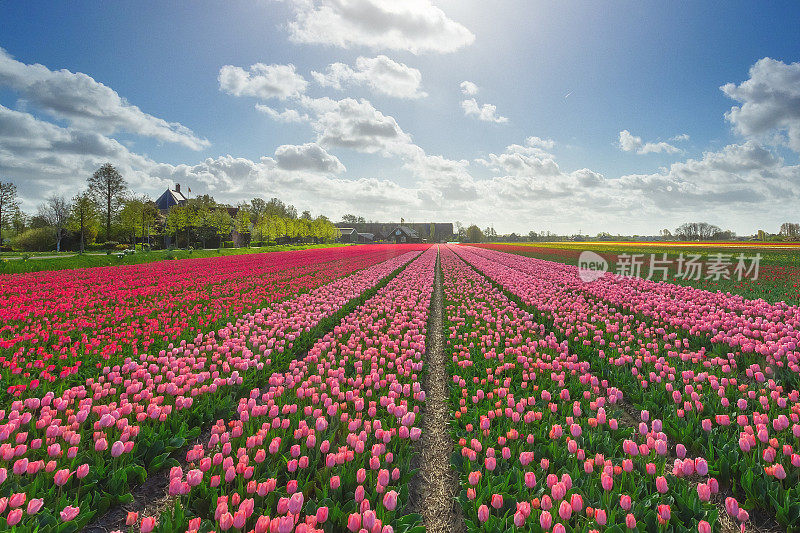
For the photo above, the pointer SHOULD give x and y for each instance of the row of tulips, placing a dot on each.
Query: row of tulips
(327, 444)
(746, 425)
(755, 330)
(57, 328)
(541, 447)
(81, 450)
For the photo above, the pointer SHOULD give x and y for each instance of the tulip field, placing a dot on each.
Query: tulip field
(287, 392)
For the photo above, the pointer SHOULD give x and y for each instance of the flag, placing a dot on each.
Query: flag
(190, 189)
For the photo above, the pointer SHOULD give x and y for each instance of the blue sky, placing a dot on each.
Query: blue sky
(641, 141)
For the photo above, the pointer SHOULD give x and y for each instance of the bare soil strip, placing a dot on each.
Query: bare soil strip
(437, 483)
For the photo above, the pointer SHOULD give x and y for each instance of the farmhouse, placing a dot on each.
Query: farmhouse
(348, 235)
(403, 234)
(170, 198)
(382, 231)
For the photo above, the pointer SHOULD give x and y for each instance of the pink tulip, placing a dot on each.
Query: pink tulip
(497, 501)
(61, 477)
(14, 517)
(69, 513)
(565, 510)
(703, 527)
(17, 500)
(390, 500)
(354, 522)
(545, 520)
(35, 505)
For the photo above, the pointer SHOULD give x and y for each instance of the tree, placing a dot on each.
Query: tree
(19, 220)
(222, 222)
(8, 202)
(108, 187)
(84, 217)
(306, 215)
(55, 212)
(137, 216)
(352, 219)
(432, 233)
(242, 221)
(180, 218)
(790, 230)
(698, 231)
(474, 234)
(258, 208)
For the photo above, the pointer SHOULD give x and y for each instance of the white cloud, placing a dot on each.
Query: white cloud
(262, 81)
(631, 143)
(538, 142)
(88, 104)
(356, 124)
(287, 115)
(416, 26)
(526, 161)
(485, 112)
(42, 158)
(381, 74)
(309, 156)
(680, 137)
(770, 101)
(529, 191)
(468, 88)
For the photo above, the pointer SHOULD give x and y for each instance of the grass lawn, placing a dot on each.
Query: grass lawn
(70, 260)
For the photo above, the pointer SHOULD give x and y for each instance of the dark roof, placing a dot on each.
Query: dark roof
(369, 236)
(383, 230)
(405, 229)
(170, 198)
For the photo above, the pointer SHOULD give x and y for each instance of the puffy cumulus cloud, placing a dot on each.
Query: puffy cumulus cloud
(443, 180)
(381, 74)
(632, 143)
(287, 115)
(42, 158)
(357, 125)
(538, 142)
(262, 81)
(729, 184)
(770, 101)
(529, 160)
(233, 179)
(413, 25)
(468, 88)
(309, 156)
(87, 104)
(743, 176)
(485, 112)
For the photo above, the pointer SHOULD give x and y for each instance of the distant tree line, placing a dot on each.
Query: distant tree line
(690, 231)
(108, 215)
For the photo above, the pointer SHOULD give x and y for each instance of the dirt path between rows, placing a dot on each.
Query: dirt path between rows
(436, 484)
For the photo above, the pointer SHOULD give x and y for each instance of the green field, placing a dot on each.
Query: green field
(15, 264)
